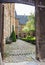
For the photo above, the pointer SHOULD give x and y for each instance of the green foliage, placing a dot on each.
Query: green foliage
(30, 25)
(31, 22)
(30, 39)
(25, 29)
(28, 28)
(13, 36)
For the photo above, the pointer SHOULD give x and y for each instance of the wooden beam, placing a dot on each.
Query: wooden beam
(40, 31)
(37, 18)
(41, 6)
(37, 33)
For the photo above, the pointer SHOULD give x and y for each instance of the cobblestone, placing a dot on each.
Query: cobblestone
(19, 51)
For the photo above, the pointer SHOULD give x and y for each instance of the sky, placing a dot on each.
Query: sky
(23, 9)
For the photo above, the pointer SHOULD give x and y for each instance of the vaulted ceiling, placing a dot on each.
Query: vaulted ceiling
(29, 2)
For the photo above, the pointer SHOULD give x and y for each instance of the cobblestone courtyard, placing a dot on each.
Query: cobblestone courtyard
(19, 51)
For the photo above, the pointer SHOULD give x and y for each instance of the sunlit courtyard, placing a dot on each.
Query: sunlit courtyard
(19, 51)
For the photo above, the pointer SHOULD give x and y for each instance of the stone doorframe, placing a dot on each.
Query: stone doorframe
(1, 29)
(40, 29)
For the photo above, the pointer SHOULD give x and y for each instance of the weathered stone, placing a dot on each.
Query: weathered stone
(9, 19)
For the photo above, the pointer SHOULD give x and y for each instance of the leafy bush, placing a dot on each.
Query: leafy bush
(30, 39)
(13, 36)
(33, 40)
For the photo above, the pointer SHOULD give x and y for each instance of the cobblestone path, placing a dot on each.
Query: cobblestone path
(19, 51)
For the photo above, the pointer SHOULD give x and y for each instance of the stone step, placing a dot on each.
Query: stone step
(23, 63)
(1, 62)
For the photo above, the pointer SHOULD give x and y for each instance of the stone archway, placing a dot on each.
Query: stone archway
(40, 32)
(40, 25)
(1, 29)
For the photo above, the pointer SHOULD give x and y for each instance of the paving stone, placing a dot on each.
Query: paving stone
(22, 63)
(19, 51)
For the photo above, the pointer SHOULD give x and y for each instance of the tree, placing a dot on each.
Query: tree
(30, 25)
(25, 29)
(31, 22)
(13, 35)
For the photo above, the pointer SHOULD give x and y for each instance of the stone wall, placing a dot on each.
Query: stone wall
(40, 29)
(16, 26)
(9, 19)
(0, 25)
(21, 32)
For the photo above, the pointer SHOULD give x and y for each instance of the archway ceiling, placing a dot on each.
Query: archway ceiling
(29, 2)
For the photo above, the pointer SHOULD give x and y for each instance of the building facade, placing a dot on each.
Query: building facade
(18, 29)
(20, 22)
(9, 19)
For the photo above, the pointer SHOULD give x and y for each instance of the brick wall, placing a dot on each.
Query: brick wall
(9, 19)
(16, 26)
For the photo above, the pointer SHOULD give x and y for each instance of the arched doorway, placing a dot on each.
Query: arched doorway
(40, 25)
